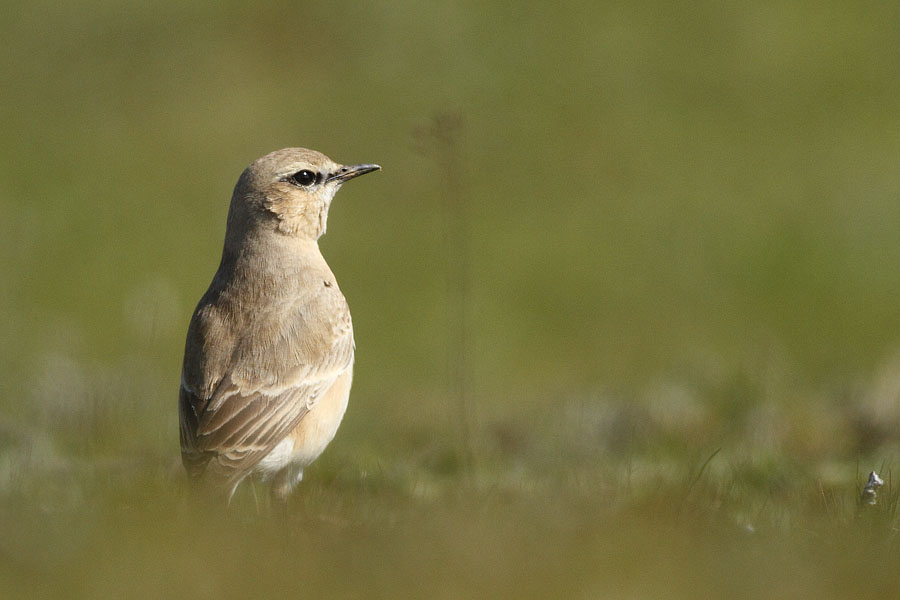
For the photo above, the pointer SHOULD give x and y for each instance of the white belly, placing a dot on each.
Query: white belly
(277, 459)
(316, 430)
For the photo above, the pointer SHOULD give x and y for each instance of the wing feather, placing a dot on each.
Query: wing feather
(264, 391)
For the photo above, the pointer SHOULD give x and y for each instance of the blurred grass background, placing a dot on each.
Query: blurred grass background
(682, 350)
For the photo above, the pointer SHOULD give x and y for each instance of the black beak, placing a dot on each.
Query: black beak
(349, 172)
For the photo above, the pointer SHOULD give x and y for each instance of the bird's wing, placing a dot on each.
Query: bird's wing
(269, 385)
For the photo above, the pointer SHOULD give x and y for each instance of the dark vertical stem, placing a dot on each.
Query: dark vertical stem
(444, 136)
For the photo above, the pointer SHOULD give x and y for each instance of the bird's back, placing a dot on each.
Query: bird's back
(261, 350)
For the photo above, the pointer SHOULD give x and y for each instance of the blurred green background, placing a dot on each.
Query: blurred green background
(667, 230)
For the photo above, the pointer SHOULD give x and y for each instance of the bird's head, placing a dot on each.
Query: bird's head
(289, 191)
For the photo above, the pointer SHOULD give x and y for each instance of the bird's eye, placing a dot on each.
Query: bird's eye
(305, 178)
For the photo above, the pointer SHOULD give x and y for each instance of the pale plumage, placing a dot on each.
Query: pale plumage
(269, 353)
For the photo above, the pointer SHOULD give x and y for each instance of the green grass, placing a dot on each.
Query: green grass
(407, 530)
(601, 499)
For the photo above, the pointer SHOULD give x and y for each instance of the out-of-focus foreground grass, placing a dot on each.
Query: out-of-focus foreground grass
(682, 329)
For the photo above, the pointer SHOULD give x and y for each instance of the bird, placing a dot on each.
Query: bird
(268, 359)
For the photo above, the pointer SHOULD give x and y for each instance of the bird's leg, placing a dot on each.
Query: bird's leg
(285, 482)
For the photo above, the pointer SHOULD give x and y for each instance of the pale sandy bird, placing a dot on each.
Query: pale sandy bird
(269, 355)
